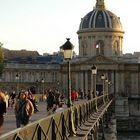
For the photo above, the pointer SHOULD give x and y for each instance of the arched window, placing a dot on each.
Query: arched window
(115, 48)
(84, 47)
(99, 47)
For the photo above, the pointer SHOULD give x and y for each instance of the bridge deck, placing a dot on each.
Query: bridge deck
(90, 124)
(80, 119)
(10, 120)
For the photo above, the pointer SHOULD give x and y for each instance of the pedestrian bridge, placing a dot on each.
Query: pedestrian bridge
(82, 121)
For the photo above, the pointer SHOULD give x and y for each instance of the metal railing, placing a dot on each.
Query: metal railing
(78, 121)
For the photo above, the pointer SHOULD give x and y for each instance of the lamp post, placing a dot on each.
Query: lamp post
(58, 84)
(42, 81)
(68, 51)
(106, 87)
(103, 79)
(94, 73)
(17, 79)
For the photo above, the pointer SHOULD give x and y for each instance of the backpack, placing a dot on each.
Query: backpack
(22, 114)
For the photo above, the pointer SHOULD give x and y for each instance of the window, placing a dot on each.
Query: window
(99, 47)
(54, 77)
(84, 47)
(115, 48)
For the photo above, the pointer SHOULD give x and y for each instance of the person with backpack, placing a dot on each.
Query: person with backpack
(23, 109)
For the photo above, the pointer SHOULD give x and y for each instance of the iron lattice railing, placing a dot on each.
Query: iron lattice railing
(78, 121)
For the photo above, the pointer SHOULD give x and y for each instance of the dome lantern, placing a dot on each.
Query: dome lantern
(100, 4)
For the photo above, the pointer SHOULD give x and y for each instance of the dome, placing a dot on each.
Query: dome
(100, 18)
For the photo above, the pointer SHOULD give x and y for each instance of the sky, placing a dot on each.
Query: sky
(44, 25)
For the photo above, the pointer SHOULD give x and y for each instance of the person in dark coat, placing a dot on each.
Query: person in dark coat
(2, 109)
(50, 101)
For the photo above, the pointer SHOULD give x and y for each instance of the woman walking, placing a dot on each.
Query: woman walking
(23, 109)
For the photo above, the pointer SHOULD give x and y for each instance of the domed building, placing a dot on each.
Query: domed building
(100, 36)
(100, 32)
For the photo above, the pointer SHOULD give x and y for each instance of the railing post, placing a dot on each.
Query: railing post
(71, 123)
(63, 128)
(39, 133)
(53, 130)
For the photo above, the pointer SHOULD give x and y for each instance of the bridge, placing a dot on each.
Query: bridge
(83, 121)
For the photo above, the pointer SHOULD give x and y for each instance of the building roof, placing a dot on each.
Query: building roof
(100, 18)
(12, 54)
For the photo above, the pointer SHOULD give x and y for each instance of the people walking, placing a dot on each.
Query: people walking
(23, 110)
(81, 93)
(51, 103)
(12, 98)
(74, 95)
(2, 109)
(6, 99)
(89, 95)
(32, 99)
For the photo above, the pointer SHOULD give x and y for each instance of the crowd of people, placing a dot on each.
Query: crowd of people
(24, 103)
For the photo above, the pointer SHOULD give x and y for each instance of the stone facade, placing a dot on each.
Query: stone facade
(101, 44)
(30, 75)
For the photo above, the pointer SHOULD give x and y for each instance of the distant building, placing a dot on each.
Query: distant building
(31, 68)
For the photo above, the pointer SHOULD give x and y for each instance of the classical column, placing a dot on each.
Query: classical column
(77, 81)
(86, 82)
(81, 80)
(91, 89)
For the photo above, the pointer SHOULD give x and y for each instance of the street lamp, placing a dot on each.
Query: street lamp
(103, 78)
(106, 87)
(42, 81)
(68, 52)
(17, 79)
(94, 73)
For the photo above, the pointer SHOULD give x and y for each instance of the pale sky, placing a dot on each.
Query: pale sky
(44, 25)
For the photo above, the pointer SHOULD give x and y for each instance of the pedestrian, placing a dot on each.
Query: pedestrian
(89, 95)
(23, 110)
(51, 106)
(32, 99)
(74, 95)
(81, 93)
(2, 109)
(7, 99)
(57, 98)
(12, 98)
